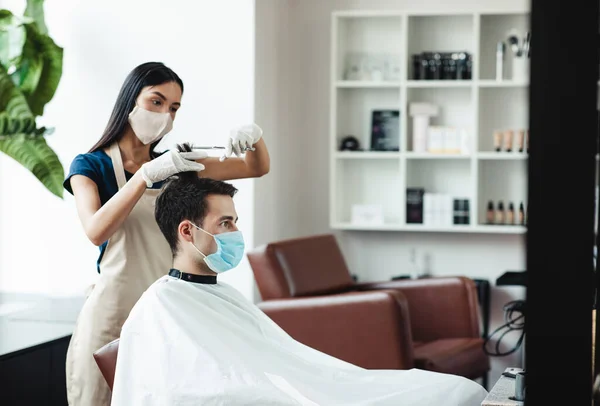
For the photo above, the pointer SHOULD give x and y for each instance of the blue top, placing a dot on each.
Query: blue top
(98, 167)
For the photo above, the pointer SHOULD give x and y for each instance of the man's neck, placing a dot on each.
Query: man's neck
(187, 265)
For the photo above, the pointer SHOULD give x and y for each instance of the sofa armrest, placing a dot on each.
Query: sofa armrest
(368, 329)
(440, 307)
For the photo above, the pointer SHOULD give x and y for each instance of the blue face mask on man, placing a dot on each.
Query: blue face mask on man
(230, 250)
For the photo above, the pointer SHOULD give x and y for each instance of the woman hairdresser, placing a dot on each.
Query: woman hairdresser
(115, 185)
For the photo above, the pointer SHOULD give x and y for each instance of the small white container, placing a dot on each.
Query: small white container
(420, 131)
(520, 69)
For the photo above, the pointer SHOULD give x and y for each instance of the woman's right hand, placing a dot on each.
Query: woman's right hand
(171, 163)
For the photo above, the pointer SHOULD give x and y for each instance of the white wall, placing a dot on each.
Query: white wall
(208, 43)
(292, 77)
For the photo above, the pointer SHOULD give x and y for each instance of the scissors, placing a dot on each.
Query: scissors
(217, 147)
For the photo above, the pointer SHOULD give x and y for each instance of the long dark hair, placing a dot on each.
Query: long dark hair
(146, 74)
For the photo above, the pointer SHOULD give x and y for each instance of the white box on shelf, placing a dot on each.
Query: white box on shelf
(446, 213)
(451, 139)
(464, 142)
(421, 114)
(435, 140)
(428, 209)
(447, 140)
(367, 214)
(437, 210)
(520, 69)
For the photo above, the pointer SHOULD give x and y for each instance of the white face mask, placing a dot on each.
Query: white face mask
(149, 126)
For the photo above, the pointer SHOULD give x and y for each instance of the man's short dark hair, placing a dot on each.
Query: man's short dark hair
(183, 197)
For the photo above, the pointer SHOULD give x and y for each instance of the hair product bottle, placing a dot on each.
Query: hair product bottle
(521, 140)
(500, 213)
(490, 218)
(508, 140)
(521, 214)
(497, 140)
(510, 215)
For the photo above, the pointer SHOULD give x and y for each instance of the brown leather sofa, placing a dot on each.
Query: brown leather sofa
(430, 323)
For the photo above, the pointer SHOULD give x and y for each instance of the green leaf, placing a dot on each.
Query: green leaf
(41, 50)
(15, 115)
(35, 154)
(35, 65)
(31, 65)
(11, 36)
(35, 10)
(7, 20)
(4, 53)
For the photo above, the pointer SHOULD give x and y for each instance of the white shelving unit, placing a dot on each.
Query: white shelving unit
(480, 106)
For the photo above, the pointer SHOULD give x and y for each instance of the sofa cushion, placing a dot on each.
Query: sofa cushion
(459, 356)
(300, 267)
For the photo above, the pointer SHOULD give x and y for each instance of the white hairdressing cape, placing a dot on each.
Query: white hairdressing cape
(195, 344)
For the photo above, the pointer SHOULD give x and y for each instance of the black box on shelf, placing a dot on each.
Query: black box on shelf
(385, 130)
(414, 205)
(461, 212)
(442, 66)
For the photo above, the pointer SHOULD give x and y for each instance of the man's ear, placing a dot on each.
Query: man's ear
(185, 230)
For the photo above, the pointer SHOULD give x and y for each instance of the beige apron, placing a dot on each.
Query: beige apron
(136, 255)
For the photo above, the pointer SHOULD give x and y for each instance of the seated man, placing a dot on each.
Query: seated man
(194, 340)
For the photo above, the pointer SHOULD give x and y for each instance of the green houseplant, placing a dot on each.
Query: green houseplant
(30, 70)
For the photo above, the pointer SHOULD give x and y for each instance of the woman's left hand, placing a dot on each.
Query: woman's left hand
(242, 138)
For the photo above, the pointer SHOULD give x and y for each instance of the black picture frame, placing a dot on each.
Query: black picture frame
(385, 130)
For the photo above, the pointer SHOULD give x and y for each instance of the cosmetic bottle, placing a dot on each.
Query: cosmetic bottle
(414, 268)
(500, 48)
(500, 213)
(521, 214)
(510, 214)
(521, 140)
(497, 140)
(490, 218)
(508, 140)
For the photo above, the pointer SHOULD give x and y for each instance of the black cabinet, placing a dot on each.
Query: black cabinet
(35, 376)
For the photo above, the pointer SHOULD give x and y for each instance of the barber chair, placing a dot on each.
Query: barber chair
(431, 323)
(106, 358)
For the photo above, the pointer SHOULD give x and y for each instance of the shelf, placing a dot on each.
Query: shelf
(502, 156)
(416, 84)
(490, 229)
(353, 84)
(366, 49)
(367, 13)
(371, 69)
(368, 182)
(501, 181)
(494, 28)
(455, 109)
(366, 227)
(420, 84)
(502, 83)
(367, 155)
(501, 109)
(434, 229)
(452, 177)
(426, 155)
(354, 110)
(479, 229)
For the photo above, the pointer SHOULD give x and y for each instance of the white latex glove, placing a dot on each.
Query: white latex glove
(171, 163)
(241, 138)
